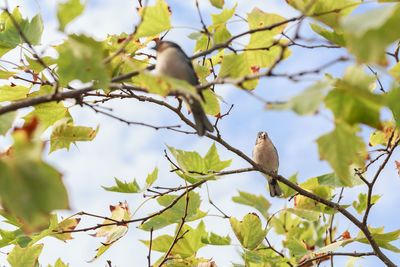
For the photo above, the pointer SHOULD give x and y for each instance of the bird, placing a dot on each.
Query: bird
(266, 155)
(172, 61)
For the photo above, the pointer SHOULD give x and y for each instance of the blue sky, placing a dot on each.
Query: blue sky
(128, 152)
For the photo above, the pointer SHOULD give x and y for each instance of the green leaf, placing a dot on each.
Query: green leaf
(195, 35)
(318, 189)
(124, 187)
(368, 34)
(175, 213)
(114, 42)
(23, 240)
(155, 84)
(249, 62)
(126, 61)
(217, 3)
(202, 43)
(353, 108)
(28, 256)
(212, 160)
(6, 74)
(382, 239)
(381, 137)
(179, 261)
(47, 113)
(330, 247)
(284, 222)
(10, 218)
(288, 191)
(260, 203)
(332, 10)
(155, 19)
(113, 232)
(9, 237)
(221, 34)
(82, 58)
(392, 100)
(296, 247)
(332, 180)
(341, 148)
(59, 263)
(151, 178)
(38, 67)
(308, 101)
(133, 187)
(6, 121)
(217, 240)
(249, 231)
(332, 36)
(68, 11)
(186, 246)
(162, 85)
(263, 257)
(9, 35)
(66, 224)
(193, 167)
(356, 78)
(352, 100)
(309, 215)
(361, 205)
(224, 16)
(395, 71)
(64, 133)
(29, 188)
(13, 93)
(258, 19)
(210, 103)
(351, 261)
(29, 240)
(239, 65)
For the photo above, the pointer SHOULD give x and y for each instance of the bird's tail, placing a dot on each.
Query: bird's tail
(201, 121)
(274, 188)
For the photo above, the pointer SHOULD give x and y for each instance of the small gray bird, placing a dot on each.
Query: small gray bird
(265, 154)
(173, 62)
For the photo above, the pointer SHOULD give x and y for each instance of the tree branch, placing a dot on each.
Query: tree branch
(124, 222)
(331, 254)
(372, 183)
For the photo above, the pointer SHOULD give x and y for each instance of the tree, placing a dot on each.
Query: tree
(355, 89)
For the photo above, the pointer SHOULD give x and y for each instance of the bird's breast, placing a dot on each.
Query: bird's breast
(265, 155)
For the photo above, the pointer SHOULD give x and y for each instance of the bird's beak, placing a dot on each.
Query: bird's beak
(156, 44)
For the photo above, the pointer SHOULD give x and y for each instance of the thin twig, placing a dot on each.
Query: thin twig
(370, 188)
(97, 216)
(330, 254)
(276, 251)
(377, 79)
(212, 203)
(151, 241)
(176, 238)
(308, 46)
(130, 37)
(143, 219)
(331, 222)
(35, 54)
(172, 127)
